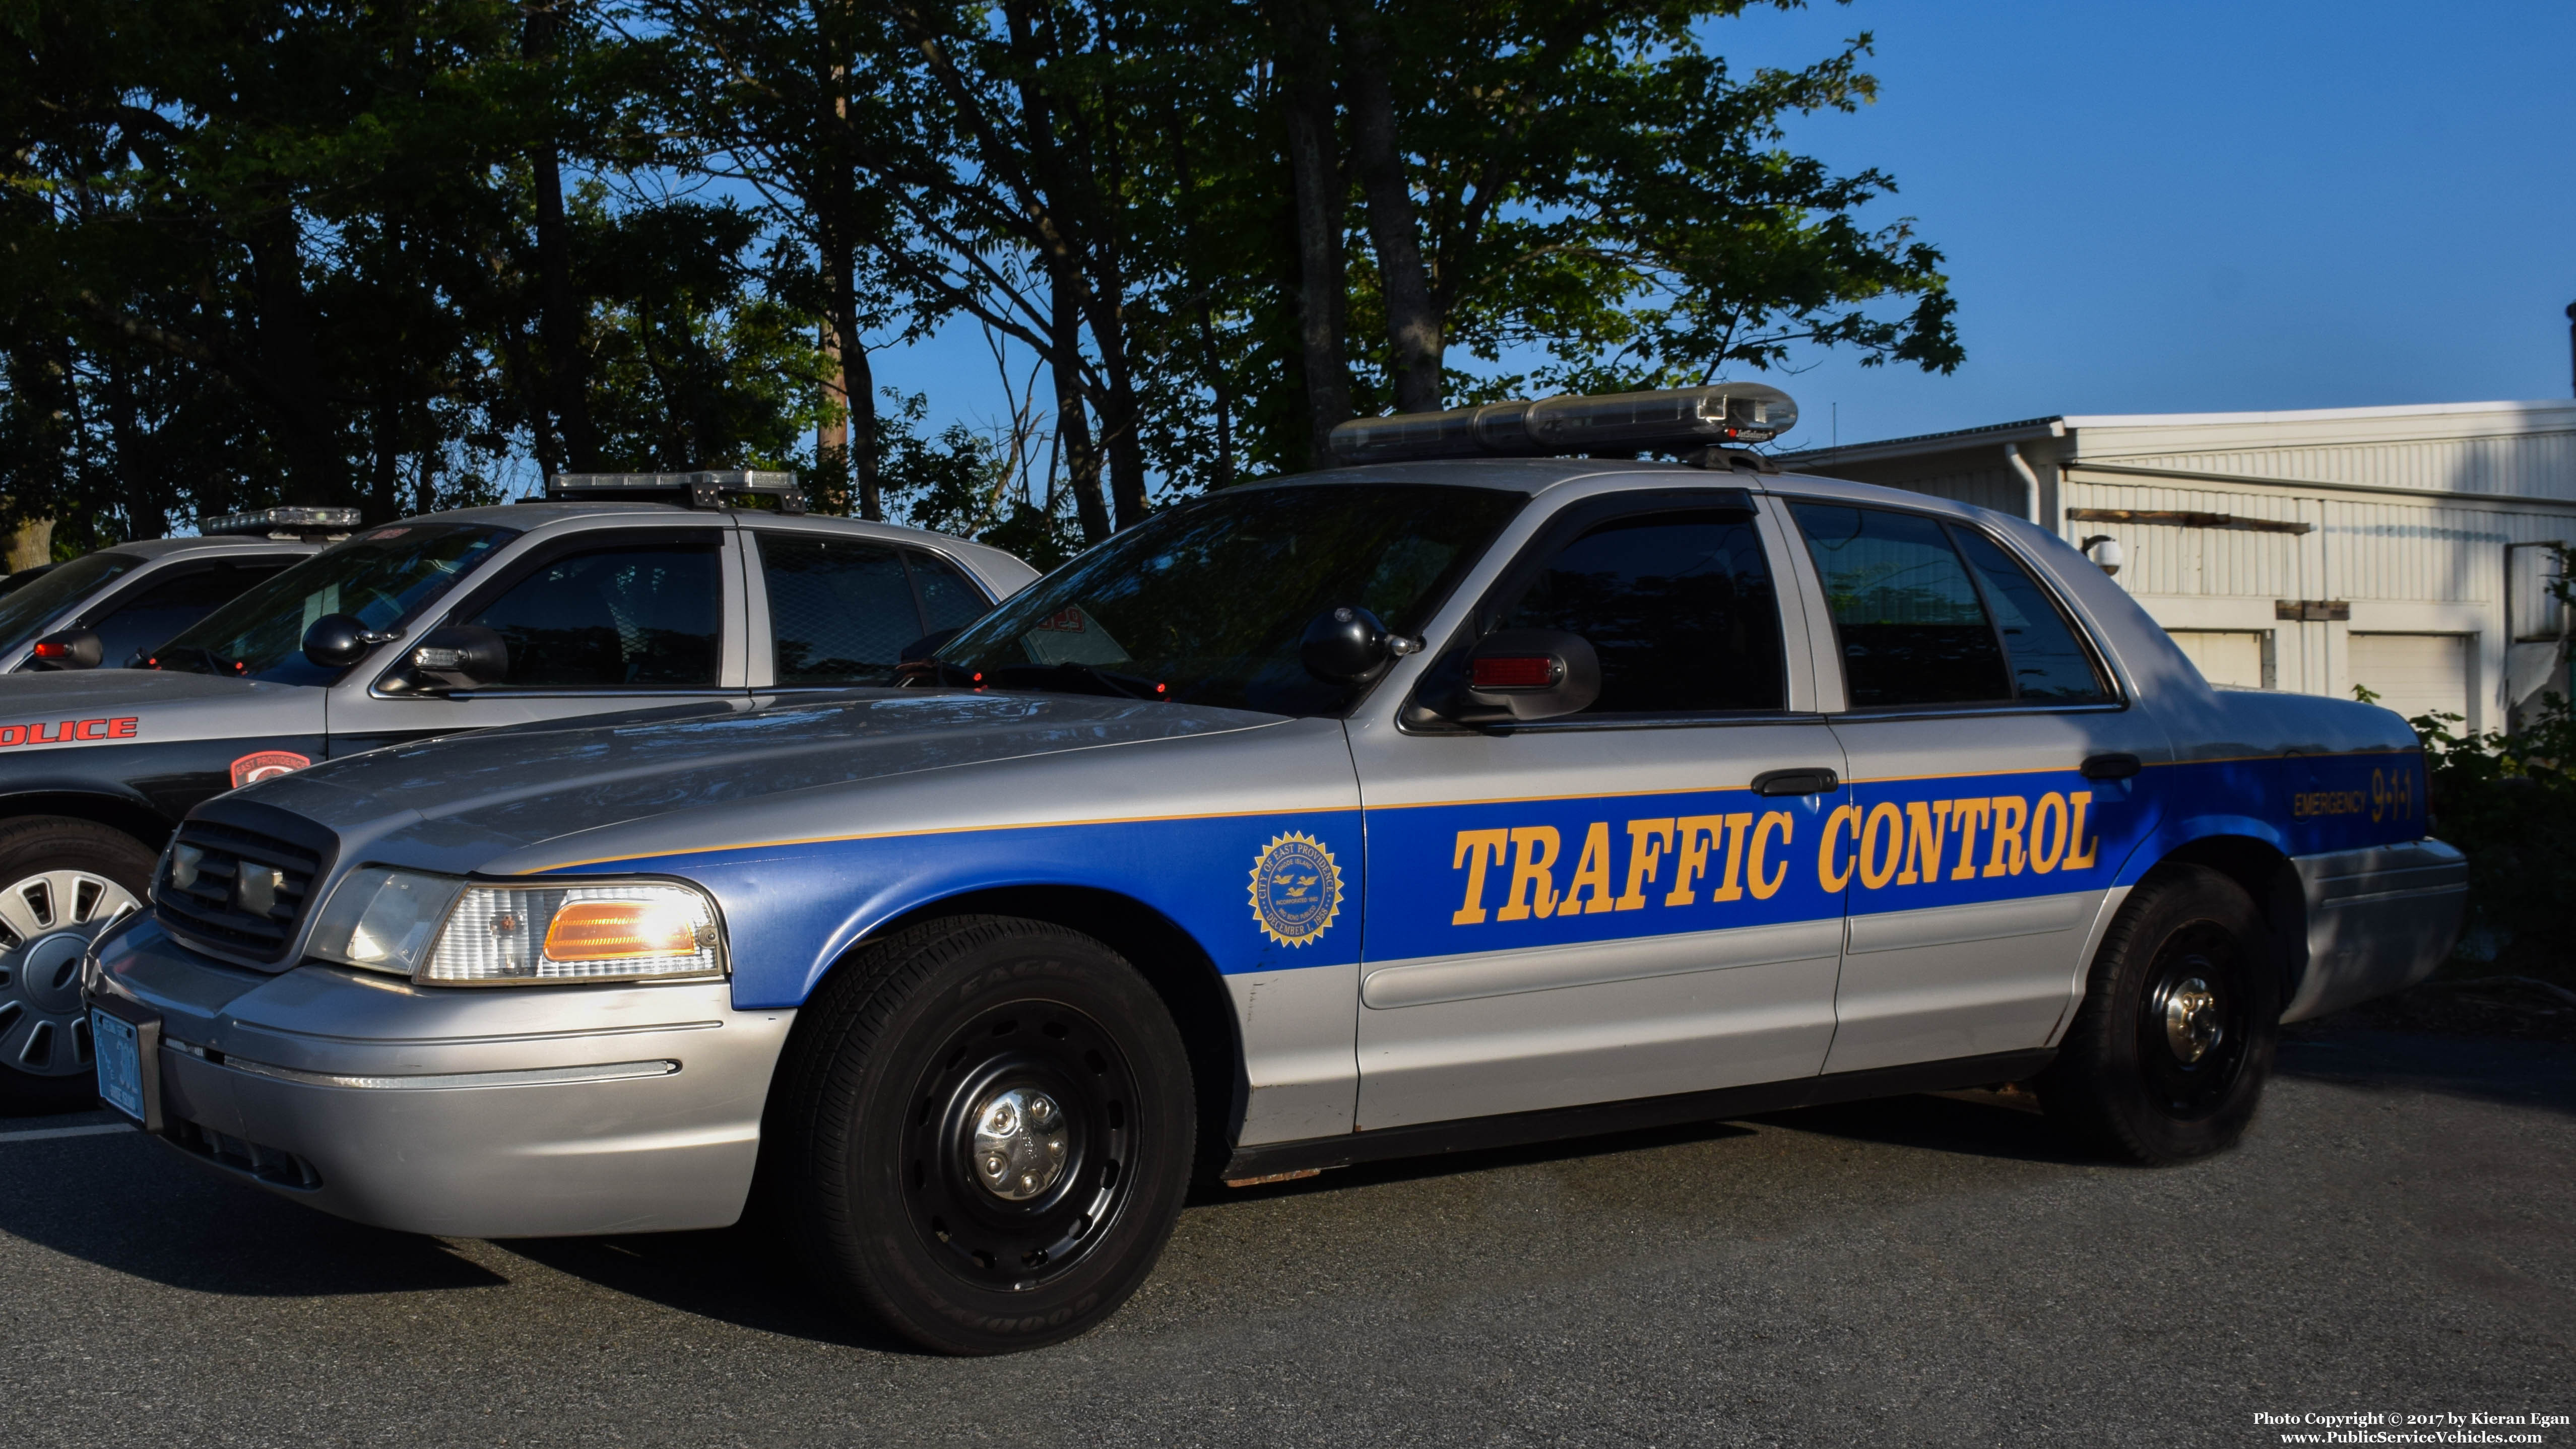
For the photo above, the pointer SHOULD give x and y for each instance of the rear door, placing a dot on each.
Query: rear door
(1603, 907)
(603, 620)
(1991, 757)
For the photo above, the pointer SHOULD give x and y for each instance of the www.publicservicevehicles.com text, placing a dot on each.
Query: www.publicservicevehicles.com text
(2443, 1428)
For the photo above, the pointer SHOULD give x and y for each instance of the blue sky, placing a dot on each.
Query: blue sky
(2178, 206)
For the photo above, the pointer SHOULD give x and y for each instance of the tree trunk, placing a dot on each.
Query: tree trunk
(31, 544)
(290, 368)
(388, 455)
(859, 385)
(559, 323)
(1306, 94)
(147, 508)
(1412, 327)
(1064, 357)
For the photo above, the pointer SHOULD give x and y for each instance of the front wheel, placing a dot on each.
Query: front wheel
(2167, 1056)
(62, 883)
(985, 1128)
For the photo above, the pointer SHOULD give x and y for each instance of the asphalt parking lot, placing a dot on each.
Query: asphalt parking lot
(2397, 1235)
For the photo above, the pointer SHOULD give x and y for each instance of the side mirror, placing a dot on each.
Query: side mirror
(336, 641)
(1348, 644)
(460, 656)
(1516, 675)
(67, 649)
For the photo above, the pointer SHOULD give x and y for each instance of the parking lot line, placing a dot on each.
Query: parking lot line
(43, 1134)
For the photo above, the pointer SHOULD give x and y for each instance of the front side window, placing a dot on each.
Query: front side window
(1206, 603)
(163, 606)
(644, 616)
(1678, 605)
(382, 577)
(1918, 626)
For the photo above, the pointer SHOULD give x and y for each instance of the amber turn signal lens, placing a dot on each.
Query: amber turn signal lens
(613, 930)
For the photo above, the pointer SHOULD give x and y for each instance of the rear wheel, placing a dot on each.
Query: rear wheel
(2167, 1056)
(985, 1128)
(62, 882)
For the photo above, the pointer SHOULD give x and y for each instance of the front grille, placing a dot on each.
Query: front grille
(239, 891)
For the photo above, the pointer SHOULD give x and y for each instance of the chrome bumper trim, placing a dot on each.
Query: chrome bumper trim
(445, 1081)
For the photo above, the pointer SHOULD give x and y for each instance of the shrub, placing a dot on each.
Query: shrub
(2509, 804)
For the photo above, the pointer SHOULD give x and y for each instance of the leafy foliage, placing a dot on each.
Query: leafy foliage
(2509, 803)
(404, 254)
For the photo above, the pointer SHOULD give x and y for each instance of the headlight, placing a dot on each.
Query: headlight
(442, 930)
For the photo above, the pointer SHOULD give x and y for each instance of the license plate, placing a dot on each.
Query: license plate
(126, 1050)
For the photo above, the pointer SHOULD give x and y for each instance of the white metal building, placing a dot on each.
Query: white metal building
(2401, 548)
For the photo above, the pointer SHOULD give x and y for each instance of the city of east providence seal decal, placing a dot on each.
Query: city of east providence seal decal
(1296, 889)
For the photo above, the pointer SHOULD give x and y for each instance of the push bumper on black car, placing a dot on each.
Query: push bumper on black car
(511, 1112)
(2379, 920)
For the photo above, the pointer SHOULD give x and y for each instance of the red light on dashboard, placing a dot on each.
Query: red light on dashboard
(50, 650)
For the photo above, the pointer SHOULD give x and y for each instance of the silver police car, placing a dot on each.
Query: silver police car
(615, 592)
(1461, 795)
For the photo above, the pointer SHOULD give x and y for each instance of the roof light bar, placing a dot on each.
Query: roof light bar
(1676, 419)
(283, 523)
(706, 488)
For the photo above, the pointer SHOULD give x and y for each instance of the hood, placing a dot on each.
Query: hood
(451, 802)
(94, 690)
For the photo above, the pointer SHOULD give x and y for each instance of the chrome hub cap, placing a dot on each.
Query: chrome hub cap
(47, 922)
(1020, 1141)
(2191, 1020)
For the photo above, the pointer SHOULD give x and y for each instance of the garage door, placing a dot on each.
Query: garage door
(2414, 673)
(2225, 656)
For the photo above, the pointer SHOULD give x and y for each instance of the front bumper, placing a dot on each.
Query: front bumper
(2380, 919)
(487, 1113)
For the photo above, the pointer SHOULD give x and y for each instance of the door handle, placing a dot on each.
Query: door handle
(2111, 767)
(1815, 780)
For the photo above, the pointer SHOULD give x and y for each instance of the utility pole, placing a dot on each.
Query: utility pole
(2571, 344)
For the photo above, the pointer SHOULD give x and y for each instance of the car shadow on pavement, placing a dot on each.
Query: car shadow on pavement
(2493, 1069)
(1483, 1159)
(745, 1275)
(1970, 1124)
(130, 1206)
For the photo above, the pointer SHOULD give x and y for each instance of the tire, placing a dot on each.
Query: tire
(2166, 1058)
(984, 1128)
(62, 882)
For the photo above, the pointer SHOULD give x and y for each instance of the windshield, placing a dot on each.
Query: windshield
(1210, 599)
(25, 613)
(382, 577)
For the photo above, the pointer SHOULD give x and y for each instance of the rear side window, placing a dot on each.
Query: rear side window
(1678, 605)
(2048, 662)
(948, 600)
(840, 612)
(639, 617)
(1919, 626)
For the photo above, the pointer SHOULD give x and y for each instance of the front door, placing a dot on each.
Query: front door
(593, 623)
(1991, 759)
(1603, 907)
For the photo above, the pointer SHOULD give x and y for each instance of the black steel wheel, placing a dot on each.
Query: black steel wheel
(2165, 1060)
(983, 1132)
(62, 884)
